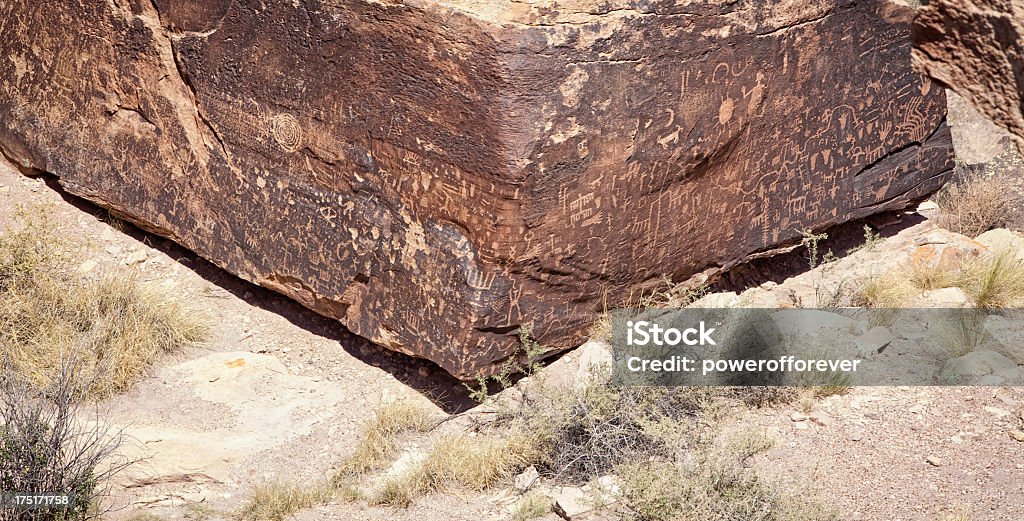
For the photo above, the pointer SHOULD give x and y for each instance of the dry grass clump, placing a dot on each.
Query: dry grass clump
(379, 444)
(276, 501)
(993, 281)
(713, 487)
(477, 462)
(461, 461)
(886, 291)
(114, 326)
(976, 204)
(928, 276)
(532, 505)
(998, 282)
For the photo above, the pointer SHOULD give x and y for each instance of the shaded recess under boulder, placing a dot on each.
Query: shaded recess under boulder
(435, 175)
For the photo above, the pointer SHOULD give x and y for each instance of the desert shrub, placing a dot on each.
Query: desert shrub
(928, 276)
(589, 430)
(114, 326)
(712, 483)
(993, 281)
(49, 445)
(276, 501)
(714, 488)
(586, 431)
(975, 204)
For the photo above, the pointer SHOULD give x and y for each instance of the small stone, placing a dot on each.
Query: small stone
(87, 266)
(821, 419)
(977, 364)
(997, 411)
(800, 426)
(609, 486)
(798, 417)
(944, 298)
(1003, 240)
(135, 257)
(1017, 435)
(874, 341)
(423, 371)
(934, 461)
(113, 250)
(526, 479)
(856, 436)
(570, 502)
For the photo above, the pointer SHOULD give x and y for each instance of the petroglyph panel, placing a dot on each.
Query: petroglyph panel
(977, 49)
(435, 176)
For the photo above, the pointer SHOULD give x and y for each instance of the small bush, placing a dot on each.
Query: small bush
(714, 488)
(976, 204)
(993, 281)
(49, 445)
(276, 501)
(464, 462)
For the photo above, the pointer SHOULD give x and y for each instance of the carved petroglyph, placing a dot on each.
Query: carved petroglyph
(286, 132)
(436, 204)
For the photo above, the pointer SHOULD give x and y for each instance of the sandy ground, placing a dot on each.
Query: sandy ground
(279, 393)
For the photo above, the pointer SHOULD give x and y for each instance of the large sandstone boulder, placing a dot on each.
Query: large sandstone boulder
(976, 47)
(435, 175)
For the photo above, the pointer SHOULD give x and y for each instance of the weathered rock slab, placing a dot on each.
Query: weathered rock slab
(436, 175)
(976, 47)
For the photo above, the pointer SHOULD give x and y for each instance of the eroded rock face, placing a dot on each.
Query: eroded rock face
(434, 176)
(976, 47)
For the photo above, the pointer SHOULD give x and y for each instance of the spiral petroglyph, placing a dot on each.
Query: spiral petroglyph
(286, 131)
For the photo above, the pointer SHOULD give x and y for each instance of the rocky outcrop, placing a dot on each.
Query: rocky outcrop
(435, 175)
(976, 47)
